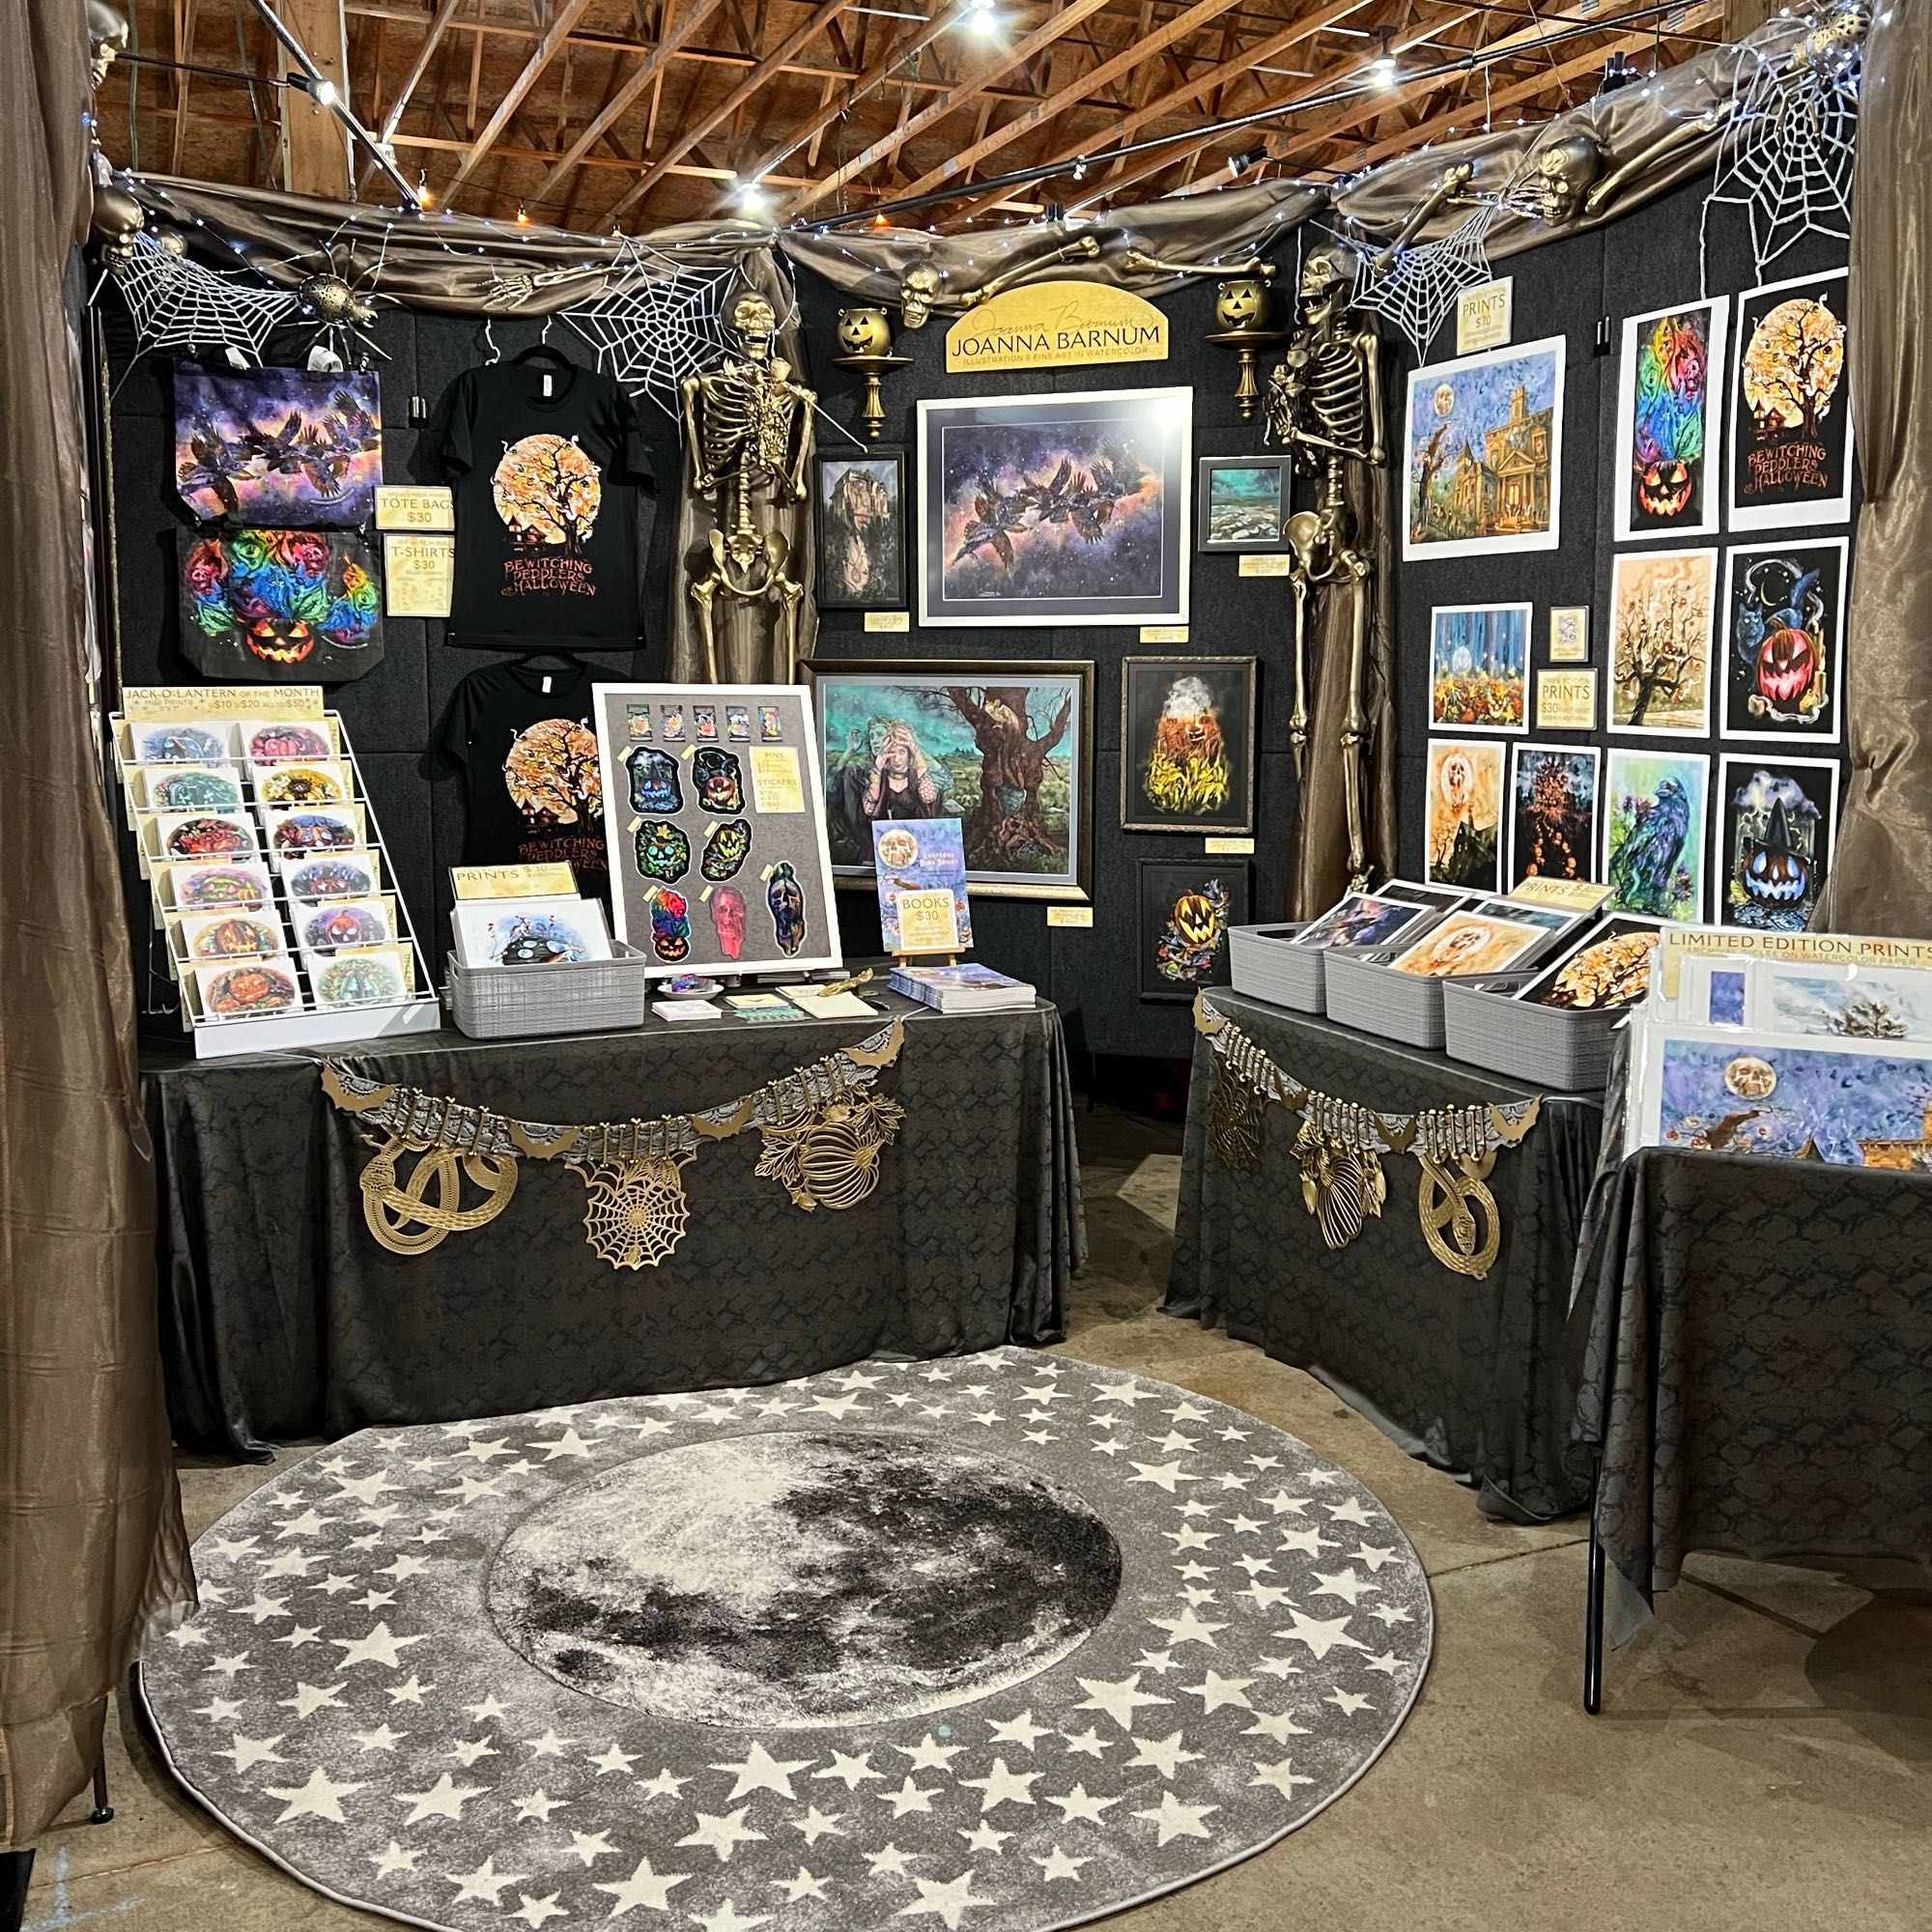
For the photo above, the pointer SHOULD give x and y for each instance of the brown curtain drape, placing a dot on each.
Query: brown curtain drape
(750, 632)
(1317, 868)
(1882, 875)
(92, 1552)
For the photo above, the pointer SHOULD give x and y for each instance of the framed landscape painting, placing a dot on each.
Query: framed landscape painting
(1242, 503)
(1007, 748)
(1187, 745)
(1044, 510)
(1485, 453)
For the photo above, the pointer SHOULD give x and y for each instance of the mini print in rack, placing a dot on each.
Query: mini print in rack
(249, 991)
(738, 723)
(636, 722)
(547, 492)
(206, 836)
(327, 927)
(273, 742)
(193, 789)
(377, 979)
(704, 721)
(350, 877)
(771, 724)
(671, 723)
(179, 744)
(219, 888)
(232, 936)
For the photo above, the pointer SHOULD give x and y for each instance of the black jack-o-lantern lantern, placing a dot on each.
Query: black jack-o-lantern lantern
(1787, 660)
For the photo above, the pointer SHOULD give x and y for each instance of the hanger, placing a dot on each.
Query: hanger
(541, 352)
(558, 660)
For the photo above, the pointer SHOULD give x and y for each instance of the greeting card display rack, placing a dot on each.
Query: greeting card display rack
(279, 931)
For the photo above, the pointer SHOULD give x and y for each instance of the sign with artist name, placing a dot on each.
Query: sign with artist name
(1057, 326)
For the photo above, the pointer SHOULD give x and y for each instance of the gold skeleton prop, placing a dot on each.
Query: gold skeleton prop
(823, 1131)
(1339, 1146)
(748, 427)
(921, 292)
(1324, 405)
(1138, 261)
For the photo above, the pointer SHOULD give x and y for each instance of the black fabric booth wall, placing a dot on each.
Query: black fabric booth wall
(1563, 288)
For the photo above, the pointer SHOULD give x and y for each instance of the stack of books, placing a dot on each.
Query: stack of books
(962, 989)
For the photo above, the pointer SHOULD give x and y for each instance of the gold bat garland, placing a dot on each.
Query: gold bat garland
(824, 1131)
(1340, 1144)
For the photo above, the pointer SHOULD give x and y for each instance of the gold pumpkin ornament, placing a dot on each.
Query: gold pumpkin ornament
(829, 1158)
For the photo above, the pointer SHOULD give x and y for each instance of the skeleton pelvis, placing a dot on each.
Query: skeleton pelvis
(737, 555)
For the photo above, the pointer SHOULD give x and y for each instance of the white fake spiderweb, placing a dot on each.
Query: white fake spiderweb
(177, 303)
(652, 323)
(1789, 146)
(1417, 292)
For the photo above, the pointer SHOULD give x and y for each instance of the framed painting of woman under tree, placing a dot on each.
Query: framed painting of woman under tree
(1007, 748)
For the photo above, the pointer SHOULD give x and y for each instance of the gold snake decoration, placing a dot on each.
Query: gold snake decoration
(1339, 1146)
(824, 1132)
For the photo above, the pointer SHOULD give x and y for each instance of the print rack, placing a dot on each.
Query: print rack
(270, 889)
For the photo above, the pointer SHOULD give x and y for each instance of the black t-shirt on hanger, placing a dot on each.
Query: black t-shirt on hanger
(545, 459)
(522, 737)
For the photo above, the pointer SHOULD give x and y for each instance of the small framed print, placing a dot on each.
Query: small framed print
(1570, 634)
(861, 526)
(1243, 502)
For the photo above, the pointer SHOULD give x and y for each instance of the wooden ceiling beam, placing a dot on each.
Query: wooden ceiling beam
(809, 29)
(439, 26)
(567, 14)
(1069, 16)
(1074, 91)
(646, 70)
(1210, 79)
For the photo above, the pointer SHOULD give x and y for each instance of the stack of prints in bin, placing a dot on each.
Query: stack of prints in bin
(962, 989)
(1283, 964)
(1796, 1046)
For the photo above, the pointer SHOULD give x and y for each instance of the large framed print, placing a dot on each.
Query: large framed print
(1778, 827)
(1242, 503)
(1552, 812)
(1005, 747)
(1783, 639)
(1655, 815)
(1478, 667)
(1045, 510)
(860, 530)
(1791, 405)
(714, 812)
(1662, 621)
(1187, 744)
(1670, 381)
(1484, 453)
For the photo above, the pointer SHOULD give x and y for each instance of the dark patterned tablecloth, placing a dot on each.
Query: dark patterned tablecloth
(1758, 1369)
(282, 1317)
(1474, 1374)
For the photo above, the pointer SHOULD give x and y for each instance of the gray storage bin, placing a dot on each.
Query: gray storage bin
(1263, 965)
(1378, 999)
(1560, 1048)
(586, 996)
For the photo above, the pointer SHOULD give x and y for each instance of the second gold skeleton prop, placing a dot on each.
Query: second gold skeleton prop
(823, 1128)
(748, 427)
(1339, 1146)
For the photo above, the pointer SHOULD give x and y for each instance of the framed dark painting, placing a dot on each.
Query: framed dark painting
(1186, 907)
(1005, 747)
(860, 498)
(1045, 510)
(1241, 503)
(1187, 744)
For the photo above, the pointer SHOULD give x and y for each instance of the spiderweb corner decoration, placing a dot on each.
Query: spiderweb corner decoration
(653, 323)
(178, 303)
(1417, 292)
(1788, 147)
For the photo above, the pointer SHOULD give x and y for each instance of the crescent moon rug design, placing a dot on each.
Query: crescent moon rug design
(1004, 1642)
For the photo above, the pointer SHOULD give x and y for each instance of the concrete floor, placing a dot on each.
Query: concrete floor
(1763, 1762)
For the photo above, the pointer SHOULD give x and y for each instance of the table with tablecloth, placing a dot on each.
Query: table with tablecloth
(1757, 1369)
(1472, 1372)
(283, 1316)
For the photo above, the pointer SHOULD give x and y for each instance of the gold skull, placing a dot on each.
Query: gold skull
(917, 291)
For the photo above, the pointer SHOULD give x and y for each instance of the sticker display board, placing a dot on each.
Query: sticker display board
(715, 815)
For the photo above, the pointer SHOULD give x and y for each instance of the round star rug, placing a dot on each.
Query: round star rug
(1005, 1642)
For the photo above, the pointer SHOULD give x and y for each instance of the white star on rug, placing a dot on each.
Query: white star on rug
(946, 1902)
(1173, 1820)
(1319, 1637)
(485, 1883)
(723, 1834)
(644, 1887)
(761, 1772)
(1000, 1786)
(319, 1798)
(446, 1799)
